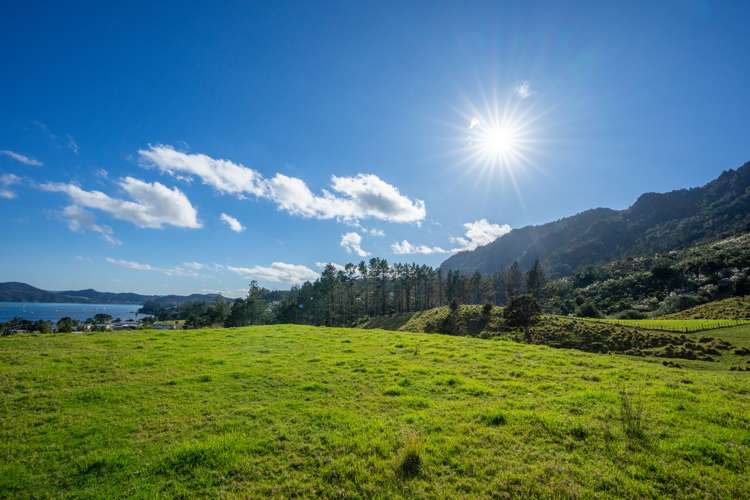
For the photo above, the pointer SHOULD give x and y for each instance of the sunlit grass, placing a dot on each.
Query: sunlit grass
(294, 410)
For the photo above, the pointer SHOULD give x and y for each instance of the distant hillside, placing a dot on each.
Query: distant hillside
(22, 292)
(659, 283)
(732, 308)
(654, 223)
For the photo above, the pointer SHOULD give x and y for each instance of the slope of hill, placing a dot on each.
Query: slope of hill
(22, 292)
(656, 222)
(732, 308)
(283, 411)
(658, 283)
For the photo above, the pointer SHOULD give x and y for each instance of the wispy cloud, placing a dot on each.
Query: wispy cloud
(80, 220)
(152, 205)
(233, 223)
(186, 269)
(26, 160)
(72, 144)
(350, 198)
(405, 248)
(278, 272)
(7, 180)
(523, 90)
(352, 242)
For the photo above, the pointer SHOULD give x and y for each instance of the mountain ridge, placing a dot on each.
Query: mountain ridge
(655, 222)
(14, 291)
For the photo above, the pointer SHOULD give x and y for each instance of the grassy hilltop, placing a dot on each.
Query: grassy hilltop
(296, 410)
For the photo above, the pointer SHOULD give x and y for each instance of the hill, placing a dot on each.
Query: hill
(714, 349)
(658, 284)
(22, 292)
(283, 411)
(732, 308)
(656, 222)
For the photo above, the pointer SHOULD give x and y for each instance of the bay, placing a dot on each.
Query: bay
(53, 311)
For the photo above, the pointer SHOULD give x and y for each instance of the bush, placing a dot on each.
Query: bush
(588, 310)
(630, 314)
(677, 303)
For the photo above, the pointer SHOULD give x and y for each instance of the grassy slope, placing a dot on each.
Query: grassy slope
(285, 410)
(732, 308)
(592, 335)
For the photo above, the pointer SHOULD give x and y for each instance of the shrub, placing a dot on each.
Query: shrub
(588, 310)
(630, 314)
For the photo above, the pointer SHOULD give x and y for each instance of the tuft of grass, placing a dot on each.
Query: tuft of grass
(493, 418)
(394, 390)
(631, 416)
(410, 458)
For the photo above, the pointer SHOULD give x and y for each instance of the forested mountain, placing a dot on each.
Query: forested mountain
(656, 222)
(22, 292)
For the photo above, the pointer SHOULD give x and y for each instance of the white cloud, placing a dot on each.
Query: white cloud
(405, 247)
(80, 220)
(352, 242)
(524, 90)
(187, 269)
(102, 173)
(233, 223)
(479, 233)
(153, 205)
(322, 265)
(129, 264)
(350, 198)
(7, 194)
(223, 175)
(364, 196)
(278, 272)
(26, 160)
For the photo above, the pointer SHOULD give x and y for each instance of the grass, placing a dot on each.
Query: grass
(302, 411)
(677, 325)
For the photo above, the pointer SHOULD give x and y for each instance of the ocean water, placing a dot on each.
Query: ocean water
(52, 312)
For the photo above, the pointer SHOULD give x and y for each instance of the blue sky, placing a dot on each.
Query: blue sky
(328, 130)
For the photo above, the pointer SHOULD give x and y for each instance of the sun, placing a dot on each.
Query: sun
(498, 140)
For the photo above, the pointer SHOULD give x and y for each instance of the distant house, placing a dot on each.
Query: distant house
(165, 326)
(129, 324)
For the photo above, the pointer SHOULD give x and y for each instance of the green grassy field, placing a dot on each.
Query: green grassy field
(678, 325)
(295, 410)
